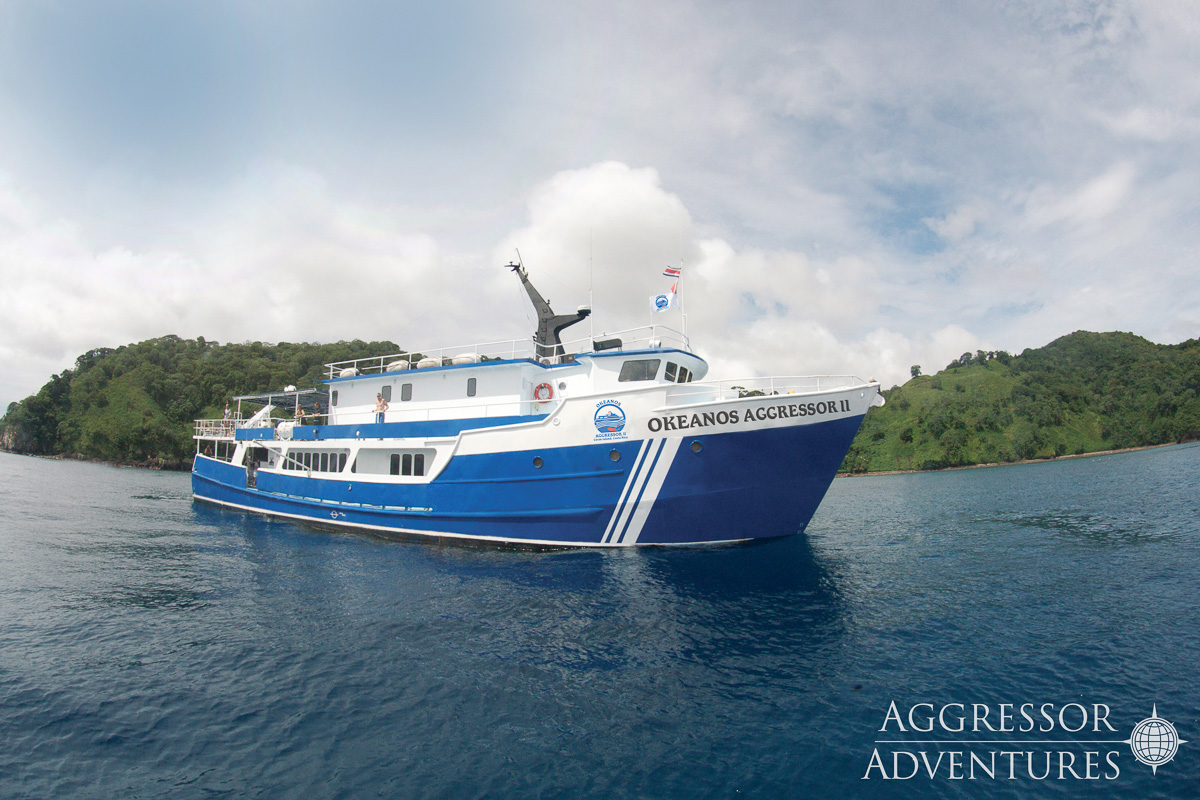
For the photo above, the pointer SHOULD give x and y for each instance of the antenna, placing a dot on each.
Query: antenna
(591, 302)
(678, 293)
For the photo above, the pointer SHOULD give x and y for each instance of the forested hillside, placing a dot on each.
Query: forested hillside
(135, 404)
(1083, 393)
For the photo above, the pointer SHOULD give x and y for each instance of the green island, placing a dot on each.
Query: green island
(1082, 393)
(136, 404)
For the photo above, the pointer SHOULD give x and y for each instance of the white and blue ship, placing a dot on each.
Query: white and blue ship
(606, 442)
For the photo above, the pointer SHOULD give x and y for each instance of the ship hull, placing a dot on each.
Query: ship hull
(676, 488)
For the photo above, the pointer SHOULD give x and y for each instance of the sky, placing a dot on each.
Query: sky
(850, 187)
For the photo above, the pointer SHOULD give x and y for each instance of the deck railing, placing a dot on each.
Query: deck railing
(217, 428)
(775, 385)
(226, 429)
(650, 337)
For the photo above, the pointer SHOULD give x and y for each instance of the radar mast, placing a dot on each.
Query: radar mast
(549, 346)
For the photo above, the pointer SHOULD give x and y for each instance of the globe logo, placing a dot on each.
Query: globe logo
(661, 301)
(609, 418)
(1154, 741)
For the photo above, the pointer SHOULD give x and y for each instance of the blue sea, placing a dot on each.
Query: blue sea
(152, 647)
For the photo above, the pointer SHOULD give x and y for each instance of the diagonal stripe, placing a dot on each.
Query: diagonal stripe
(637, 504)
(650, 490)
(629, 489)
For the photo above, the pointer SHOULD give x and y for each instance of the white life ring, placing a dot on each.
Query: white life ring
(543, 392)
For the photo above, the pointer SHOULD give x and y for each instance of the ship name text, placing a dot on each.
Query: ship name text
(682, 422)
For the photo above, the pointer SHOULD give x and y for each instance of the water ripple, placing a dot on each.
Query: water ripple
(153, 648)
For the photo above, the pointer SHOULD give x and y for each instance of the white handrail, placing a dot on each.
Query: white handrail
(772, 385)
(650, 337)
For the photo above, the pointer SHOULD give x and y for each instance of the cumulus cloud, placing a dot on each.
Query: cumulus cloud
(750, 312)
(281, 260)
(857, 187)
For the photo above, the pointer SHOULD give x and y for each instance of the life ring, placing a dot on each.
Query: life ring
(543, 392)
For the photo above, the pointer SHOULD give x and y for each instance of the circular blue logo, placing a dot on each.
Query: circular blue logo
(609, 418)
(661, 301)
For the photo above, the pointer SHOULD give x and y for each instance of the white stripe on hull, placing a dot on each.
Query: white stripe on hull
(646, 481)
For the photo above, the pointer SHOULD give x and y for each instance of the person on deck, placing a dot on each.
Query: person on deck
(381, 406)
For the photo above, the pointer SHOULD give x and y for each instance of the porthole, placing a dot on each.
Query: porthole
(697, 447)
(537, 462)
(615, 455)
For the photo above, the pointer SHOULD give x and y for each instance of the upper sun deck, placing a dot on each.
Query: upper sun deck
(648, 338)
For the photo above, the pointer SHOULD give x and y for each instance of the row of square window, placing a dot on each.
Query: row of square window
(406, 391)
(401, 463)
(317, 462)
(642, 369)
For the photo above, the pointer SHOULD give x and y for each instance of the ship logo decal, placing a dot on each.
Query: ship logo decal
(609, 417)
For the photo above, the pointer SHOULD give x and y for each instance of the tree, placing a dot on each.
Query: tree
(915, 370)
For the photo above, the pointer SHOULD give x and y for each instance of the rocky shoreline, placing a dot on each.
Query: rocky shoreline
(1006, 463)
(165, 464)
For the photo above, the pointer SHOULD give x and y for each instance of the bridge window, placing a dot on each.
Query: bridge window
(644, 369)
(669, 372)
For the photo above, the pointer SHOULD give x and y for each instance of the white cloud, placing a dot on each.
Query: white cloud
(750, 313)
(1095, 200)
(281, 261)
(860, 186)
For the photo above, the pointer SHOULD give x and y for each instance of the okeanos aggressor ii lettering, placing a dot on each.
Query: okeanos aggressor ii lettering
(774, 411)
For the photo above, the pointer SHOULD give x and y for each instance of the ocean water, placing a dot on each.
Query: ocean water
(152, 647)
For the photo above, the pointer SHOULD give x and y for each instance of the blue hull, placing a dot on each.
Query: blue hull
(739, 485)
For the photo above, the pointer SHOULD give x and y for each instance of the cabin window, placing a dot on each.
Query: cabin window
(387, 393)
(669, 372)
(684, 375)
(470, 387)
(317, 461)
(333, 398)
(643, 369)
(406, 392)
(407, 464)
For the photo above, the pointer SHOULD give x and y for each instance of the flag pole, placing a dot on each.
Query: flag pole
(591, 261)
(682, 312)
